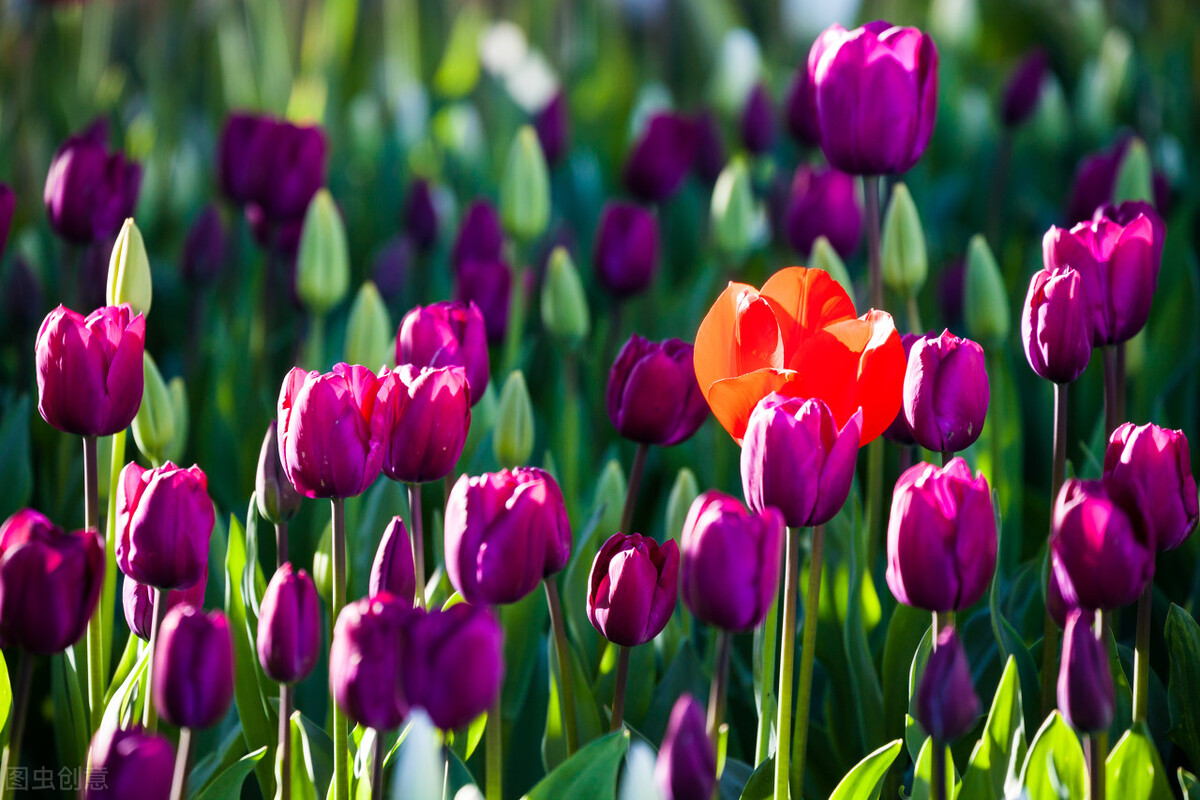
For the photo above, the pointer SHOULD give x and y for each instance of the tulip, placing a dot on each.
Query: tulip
(525, 188)
(480, 237)
(710, 147)
(447, 334)
(823, 202)
(625, 255)
(204, 249)
(365, 660)
(946, 704)
(89, 370)
(687, 765)
(729, 561)
(289, 626)
(941, 539)
(164, 521)
(22, 298)
(1056, 327)
(553, 127)
(875, 95)
(89, 190)
(900, 431)
(420, 214)
(393, 571)
(1156, 462)
(652, 394)
(154, 424)
(512, 436)
(323, 261)
(798, 336)
(757, 123)
(800, 111)
(454, 667)
(1095, 182)
(1085, 685)
(1024, 88)
(137, 601)
(277, 499)
(903, 259)
(1101, 548)
(8, 202)
(661, 158)
(331, 438)
(1056, 606)
(425, 414)
(796, 459)
(505, 532)
(49, 582)
(129, 270)
(737, 218)
(244, 156)
(946, 392)
(193, 681)
(564, 302)
(632, 588)
(487, 284)
(392, 268)
(1117, 254)
(128, 762)
(297, 164)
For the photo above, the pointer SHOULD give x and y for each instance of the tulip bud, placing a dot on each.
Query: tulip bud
(22, 298)
(1156, 462)
(137, 601)
(177, 392)
(825, 256)
(1085, 685)
(632, 588)
(323, 262)
(900, 431)
(8, 202)
(154, 424)
(1135, 175)
(368, 329)
(660, 160)
(684, 492)
(1056, 605)
(902, 247)
(1024, 88)
(564, 303)
(479, 235)
(525, 188)
(365, 659)
(941, 539)
(420, 214)
(947, 705)
(277, 499)
(128, 762)
(391, 270)
(90, 190)
(986, 309)
(204, 249)
(825, 203)
(795, 459)
(129, 270)
(737, 219)
(488, 285)
(757, 122)
(455, 664)
(393, 571)
(1056, 327)
(710, 148)
(800, 111)
(322, 571)
(424, 417)
(164, 521)
(244, 156)
(687, 765)
(513, 436)
(625, 255)
(193, 677)
(289, 626)
(652, 394)
(553, 127)
(946, 392)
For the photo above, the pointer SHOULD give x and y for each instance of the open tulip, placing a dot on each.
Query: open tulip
(625, 254)
(90, 190)
(687, 766)
(446, 334)
(193, 682)
(632, 588)
(798, 336)
(946, 703)
(823, 202)
(946, 392)
(454, 663)
(1156, 462)
(164, 521)
(393, 570)
(652, 394)
(128, 762)
(289, 638)
(1056, 326)
(426, 413)
(365, 660)
(1085, 685)
(661, 158)
(137, 601)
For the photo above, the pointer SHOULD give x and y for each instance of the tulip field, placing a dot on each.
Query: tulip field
(598, 399)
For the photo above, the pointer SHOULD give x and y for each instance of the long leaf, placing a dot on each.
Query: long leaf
(590, 774)
(228, 785)
(1002, 742)
(865, 781)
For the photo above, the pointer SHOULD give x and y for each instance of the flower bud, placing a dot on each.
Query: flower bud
(154, 423)
(393, 570)
(368, 329)
(687, 766)
(564, 302)
(447, 334)
(323, 262)
(1085, 685)
(941, 539)
(824, 202)
(244, 155)
(512, 439)
(661, 158)
(1156, 462)
(710, 147)
(322, 571)
(277, 499)
(204, 249)
(128, 762)
(479, 235)
(365, 660)
(757, 123)
(632, 588)
(1024, 88)
(177, 392)
(825, 257)
(22, 298)
(947, 705)
(89, 190)
(946, 392)
(129, 271)
(296, 162)
(1135, 175)
(193, 676)
(900, 431)
(652, 394)
(800, 113)
(164, 521)
(737, 218)
(902, 247)
(684, 492)
(1056, 328)
(553, 127)
(454, 665)
(289, 626)
(795, 459)
(137, 601)
(985, 300)
(391, 270)
(625, 256)
(420, 214)
(488, 285)
(425, 415)
(8, 202)
(525, 188)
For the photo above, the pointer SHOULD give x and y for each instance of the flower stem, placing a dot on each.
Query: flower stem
(376, 768)
(95, 628)
(1094, 755)
(618, 706)
(108, 594)
(149, 717)
(808, 651)
(937, 771)
(495, 754)
(635, 483)
(766, 668)
(874, 516)
(566, 692)
(418, 539)
(787, 651)
(1141, 663)
(21, 690)
(914, 313)
(281, 543)
(1110, 391)
(716, 695)
(285, 741)
(947, 456)
(1058, 475)
(341, 761)
(182, 754)
(1120, 381)
(874, 264)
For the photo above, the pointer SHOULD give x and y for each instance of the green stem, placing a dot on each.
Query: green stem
(914, 313)
(635, 483)
(281, 543)
(1093, 752)
(874, 516)
(716, 694)
(1141, 663)
(182, 754)
(766, 667)
(566, 691)
(874, 264)
(149, 717)
(1058, 476)
(341, 760)
(418, 540)
(108, 597)
(618, 706)
(495, 754)
(376, 767)
(1110, 391)
(285, 741)
(947, 457)
(937, 771)
(95, 628)
(808, 652)
(786, 658)
(12, 750)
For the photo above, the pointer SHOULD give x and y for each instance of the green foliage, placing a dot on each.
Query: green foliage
(590, 774)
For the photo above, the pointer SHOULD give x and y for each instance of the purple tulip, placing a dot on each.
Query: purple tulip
(505, 532)
(244, 156)
(164, 521)
(137, 601)
(278, 501)
(393, 570)
(8, 202)
(1024, 88)
(289, 626)
(480, 237)
(875, 94)
(1156, 462)
(426, 413)
(795, 459)
(420, 214)
(757, 123)
(710, 147)
(632, 588)
(21, 297)
(49, 582)
(625, 255)
(90, 191)
(687, 765)
(553, 126)
(331, 436)
(946, 703)
(1118, 255)
(1056, 327)
(952, 291)
(1096, 179)
(1085, 685)
(279, 236)
(128, 762)
(392, 268)
(365, 660)
(823, 202)
(488, 285)
(1056, 605)
(652, 394)
(204, 250)
(455, 664)
(900, 431)
(193, 676)
(730, 557)
(446, 334)
(946, 392)
(297, 162)
(1101, 549)
(89, 370)
(661, 158)
(800, 109)
(941, 539)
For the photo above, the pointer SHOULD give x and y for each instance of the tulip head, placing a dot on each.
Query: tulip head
(323, 262)
(426, 413)
(278, 501)
(553, 126)
(420, 214)
(480, 237)
(489, 286)
(128, 762)
(757, 122)
(137, 601)
(1056, 327)
(652, 394)
(446, 334)
(947, 705)
(204, 249)
(800, 111)
(632, 588)
(625, 255)
(687, 765)
(193, 676)
(900, 431)
(393, 570)
(129, 270)
(946, 392)
(512, 436)
(289, 626)
(1024, 88)
(164, 521)
(90, 190)
(823, 202)
(1085, 685)
(1156, 462)
(365, 660)
(8, 202)
(661, 158)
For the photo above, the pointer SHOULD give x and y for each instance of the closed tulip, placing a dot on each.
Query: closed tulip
(164, 521)
(193, 677)
(1101, 548)
(946, 392)
(632, 588)
(89, 370)
(137, 601)
(393, 570)
(420, 214)
(757, 122)
(8, 202)
(625, 255)
(244, 156)
(941, 539)
(823, 202)
(800, 110)
(297, 166)
(946, 704)
(488, 285)
(661, 158)
(277, 499)
(446, 334)
(1024, 88)
(687, 766)
(392, 267)
(128, 762)
(365, 660)
(90, 190)
(480, 237)
(204, 249)
(710, 148)
(1095, 181)
(900, 431)
(1085, 685)
(552, 124)
(289, 626)
(1056, 327)
(729, 561)
(505, 532)
(426, 413)
(454, 665)
(652, 394)
(331, 437)
(1156, 462)
(49, 582)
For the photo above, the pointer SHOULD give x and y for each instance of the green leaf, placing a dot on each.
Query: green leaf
(228, 785)
(923, 775)
(227, 753)
(1134, 771)
(868, 695)
(1055, 769)
(594, 533)
(1183, 642)
(1189, 784)
(312, 755)
(907, 628)
(16, 471)
(1002, 742)
(865, 781)
(761, 785)
(5, 698)
(523, 621)
(590, 774)
(587, 715)
(70, 716)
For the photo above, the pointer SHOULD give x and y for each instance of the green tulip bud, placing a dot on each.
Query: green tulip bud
(679, 501)
(564, 304)
(986, 303)
(154, 425)
(322, 568)
(129, 270)
(610, 495)
(736, 217)
(825, 257)
(512, 439)
(525, 189)
(902, 246)
(179, 415)
(1135, 176)
(323, 262)
(369, 330)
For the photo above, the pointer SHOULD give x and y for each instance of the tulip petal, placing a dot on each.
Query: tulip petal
(716, 349)
(733, 399)
(805, 301)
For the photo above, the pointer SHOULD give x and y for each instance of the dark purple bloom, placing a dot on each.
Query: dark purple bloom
(687, 766)
(90, 191)
(823, 202)
(1156, 462)
(289, 626)
(392, 268)
(632, 588)
(446, 334)
(661, 158)
(1095, 181)
(1056, 326)
(800, 109)
(128, 762)
(297, 170)
(164, 521)
(277, 499)
(426, 413)
(1085, 685)
(1024, 88)
(393, 570)
(193, 677)
(553, 126)
(900, 431)
(137, 600)
(244, 156)
(946, 392)
(420, 214)
(946, 703)
(710, 147)
(365, 660)
(22, 297)
(757, 123)
(454, 663)
(480, 237)
(488, 285)
(652, 394)
(204, 249)
(625, 254)
(8, 202)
